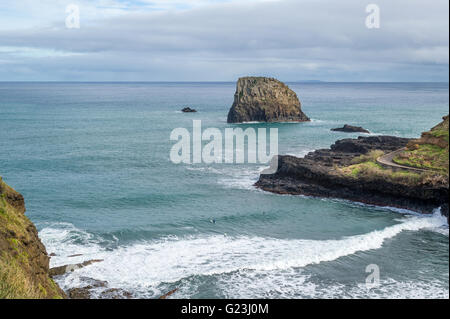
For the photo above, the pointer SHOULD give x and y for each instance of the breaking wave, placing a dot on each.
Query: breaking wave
(143, 266)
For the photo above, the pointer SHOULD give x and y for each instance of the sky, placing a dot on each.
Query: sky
(222, 40)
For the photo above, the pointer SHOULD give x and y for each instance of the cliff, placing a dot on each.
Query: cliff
(24, 263)
(349, 170)
(430, 151)
(265, 100)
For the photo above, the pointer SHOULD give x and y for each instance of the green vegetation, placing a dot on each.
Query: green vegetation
(365, 166)
(426, 156)
(369, 157)
(431, 151)
(441, 130)
(21, 257)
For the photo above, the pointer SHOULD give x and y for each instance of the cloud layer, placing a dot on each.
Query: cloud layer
(175, 40)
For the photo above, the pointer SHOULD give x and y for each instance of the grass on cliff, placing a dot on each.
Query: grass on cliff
(365, 166)
(431, 151)
(426, 156)
(17, 277)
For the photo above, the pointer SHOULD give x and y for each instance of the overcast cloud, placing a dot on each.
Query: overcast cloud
(207, 40)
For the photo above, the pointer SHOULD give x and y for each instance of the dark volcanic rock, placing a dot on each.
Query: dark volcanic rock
(316, 175)
(115, 293)
(79, 293)
(170, 293)
(350, 129)
(444, 210)
(94, 283)
(265, 100)
(343, 151)
(61, 270)
(93, 290)
(188, 110)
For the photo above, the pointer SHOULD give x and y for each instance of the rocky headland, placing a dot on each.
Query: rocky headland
(24, 262)
(349, 170)
(260, 99)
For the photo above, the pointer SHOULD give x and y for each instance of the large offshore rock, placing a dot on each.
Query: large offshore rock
(265, 100)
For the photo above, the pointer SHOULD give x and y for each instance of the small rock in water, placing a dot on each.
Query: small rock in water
(168, 294)
(79, 293)
(115, 293)
(94, 282)
(188, 110)
(61, 270)
(91, 291)
(350, 129)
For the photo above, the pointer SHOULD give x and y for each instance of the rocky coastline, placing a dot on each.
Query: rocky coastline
(320, 174)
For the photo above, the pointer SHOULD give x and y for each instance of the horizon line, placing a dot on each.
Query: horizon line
(218, 81)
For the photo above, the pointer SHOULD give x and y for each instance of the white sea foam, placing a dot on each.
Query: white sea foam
(315, 122)
(299, 153)
(297, 284)
(239, 177)
(142, 266)
(250, 122)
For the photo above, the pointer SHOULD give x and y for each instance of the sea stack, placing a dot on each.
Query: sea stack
(263, 99)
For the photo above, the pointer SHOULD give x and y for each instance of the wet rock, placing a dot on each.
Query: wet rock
(86, 292)
(79, 293)
(94, 283)
(93, 290)
(115, 293)
(350, 129)
(444, 210)
(170, 293)
(61, 270)
(188, 110)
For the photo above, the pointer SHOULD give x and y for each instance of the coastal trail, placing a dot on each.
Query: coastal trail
(387, 161)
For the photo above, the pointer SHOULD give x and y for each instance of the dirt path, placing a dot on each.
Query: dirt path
(387, 160)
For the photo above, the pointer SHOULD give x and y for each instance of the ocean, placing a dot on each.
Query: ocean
(92, 161)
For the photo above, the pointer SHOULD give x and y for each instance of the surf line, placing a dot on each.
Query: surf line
(193, 309)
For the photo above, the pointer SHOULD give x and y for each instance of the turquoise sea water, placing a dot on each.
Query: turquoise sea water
(92, 160)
